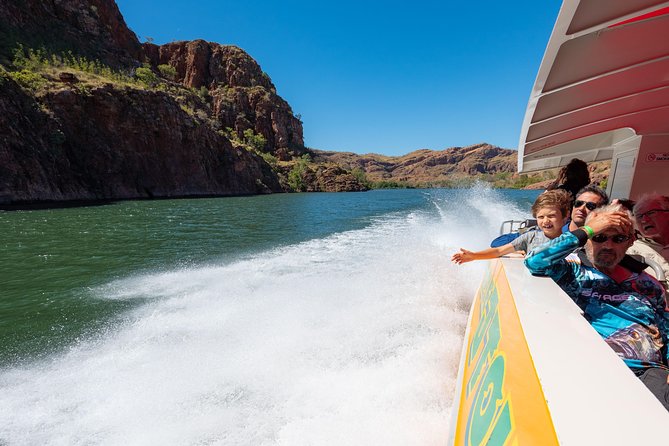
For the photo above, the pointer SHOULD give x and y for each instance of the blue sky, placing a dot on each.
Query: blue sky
(384, 77)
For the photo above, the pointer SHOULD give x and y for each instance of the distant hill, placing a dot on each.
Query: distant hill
(425, 168)
(452, 167)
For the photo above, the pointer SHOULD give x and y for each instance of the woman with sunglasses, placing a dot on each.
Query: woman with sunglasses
(627, 308)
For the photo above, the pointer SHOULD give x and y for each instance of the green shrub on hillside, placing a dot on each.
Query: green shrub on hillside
(230, 133)
(36, 60)
(27, 60)
(270, 159)
(360, 175)
(522, 181)
(252, 142)
(168, 71)
(256, 141)
(146, 75)
(296, 179)
(28, 79)
(203, 92)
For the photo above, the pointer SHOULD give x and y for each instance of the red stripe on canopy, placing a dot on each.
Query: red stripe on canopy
(659, 12)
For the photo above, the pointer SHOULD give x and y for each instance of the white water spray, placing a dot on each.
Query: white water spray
(348, 340)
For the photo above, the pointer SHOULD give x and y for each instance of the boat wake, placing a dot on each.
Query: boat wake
(350, 339)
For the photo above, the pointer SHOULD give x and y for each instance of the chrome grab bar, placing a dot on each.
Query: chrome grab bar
(517, 225)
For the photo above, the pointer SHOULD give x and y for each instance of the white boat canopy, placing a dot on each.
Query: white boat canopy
(602, 92)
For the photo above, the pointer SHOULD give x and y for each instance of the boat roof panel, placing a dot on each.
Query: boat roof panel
(608, 50)
(654, 120)
(635, 80)
(626, 105)
(590, 13)
(604, 69)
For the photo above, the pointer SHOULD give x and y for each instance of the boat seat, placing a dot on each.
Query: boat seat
(519, 226)
(657, 269)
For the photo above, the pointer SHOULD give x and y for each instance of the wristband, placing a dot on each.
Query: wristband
(588, 230)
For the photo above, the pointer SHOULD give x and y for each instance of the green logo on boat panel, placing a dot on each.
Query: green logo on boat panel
(487, 332)
(489, 420)
(488, 302)
(490, 340)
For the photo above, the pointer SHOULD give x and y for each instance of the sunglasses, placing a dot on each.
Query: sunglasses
(618, 238)
(650, 213)
(588, 204)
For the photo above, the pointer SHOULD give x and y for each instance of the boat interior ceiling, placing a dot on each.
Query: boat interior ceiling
(602, 88)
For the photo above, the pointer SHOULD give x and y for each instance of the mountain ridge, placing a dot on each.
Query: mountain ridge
(426, 167)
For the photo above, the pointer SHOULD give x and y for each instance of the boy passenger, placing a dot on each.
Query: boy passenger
(551, 209)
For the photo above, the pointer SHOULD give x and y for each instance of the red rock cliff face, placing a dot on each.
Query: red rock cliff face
(28, 159)
(112, 143)
(99, 140)
(94, 28)
(242, 96)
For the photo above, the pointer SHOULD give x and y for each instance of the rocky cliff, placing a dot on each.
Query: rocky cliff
(92, 28)
(95, 115)
(112, 143)
(242, 95)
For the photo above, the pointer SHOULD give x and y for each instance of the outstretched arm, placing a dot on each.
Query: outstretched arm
(548, 259)
(465, 256)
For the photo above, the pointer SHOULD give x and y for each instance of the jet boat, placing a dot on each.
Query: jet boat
(532, 370)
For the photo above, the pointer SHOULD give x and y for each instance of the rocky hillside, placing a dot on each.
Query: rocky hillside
(241, 96)
(428, 167)
(89, 113)
(113, 143)
(91, 28)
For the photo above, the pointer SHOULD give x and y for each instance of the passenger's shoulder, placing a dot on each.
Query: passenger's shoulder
(648, 281)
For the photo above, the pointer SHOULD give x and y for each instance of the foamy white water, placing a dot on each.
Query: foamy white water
(348, 340)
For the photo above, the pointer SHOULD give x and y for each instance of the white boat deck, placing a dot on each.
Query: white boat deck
(592, 396)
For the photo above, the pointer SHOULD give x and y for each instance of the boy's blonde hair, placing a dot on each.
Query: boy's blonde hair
(557, 198)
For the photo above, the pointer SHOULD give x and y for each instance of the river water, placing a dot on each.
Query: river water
(290, 319)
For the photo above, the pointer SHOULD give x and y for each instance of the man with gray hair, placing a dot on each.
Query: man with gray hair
(627, 308)
(651, 218)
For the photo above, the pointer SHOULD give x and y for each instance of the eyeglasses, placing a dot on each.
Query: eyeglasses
(650, 213)
(588, 204)
(618, 238)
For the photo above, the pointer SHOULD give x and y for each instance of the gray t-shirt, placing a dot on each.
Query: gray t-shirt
(529, 241)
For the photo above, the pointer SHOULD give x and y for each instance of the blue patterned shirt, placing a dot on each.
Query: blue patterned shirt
(632, 316)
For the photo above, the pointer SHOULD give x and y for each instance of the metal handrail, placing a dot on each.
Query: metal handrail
(659, 272)
(522, 225)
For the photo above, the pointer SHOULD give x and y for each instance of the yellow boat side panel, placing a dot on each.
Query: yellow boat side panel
(501, 401)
